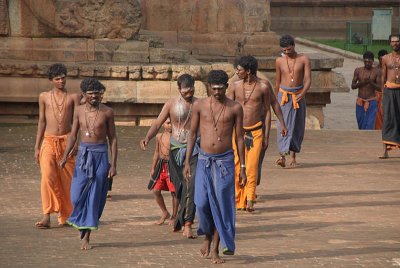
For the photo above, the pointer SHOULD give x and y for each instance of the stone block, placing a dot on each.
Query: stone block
(153, 91)
(156, 72)
(168, 55)
(120, 91)
(60, 49)
(16, 48)
(119, 71)
(134, 72)
(198, 71)
(227, 67)
(132, 51)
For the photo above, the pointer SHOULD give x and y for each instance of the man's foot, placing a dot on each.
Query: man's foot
(384, 156)
(163, 218)
(171, 221)
(109, 197)
(293, 163)
(250, 206)
(215, 259)
(85, 244)
(281, 161)
(188, 233)
(44, 223)
(205, 248)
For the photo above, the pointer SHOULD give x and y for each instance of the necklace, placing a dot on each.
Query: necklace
(90, 128)
(245, 100)
(180, 113)
(215, 122)
(166, 148)
(291, 72)
(59, 107)
(396, 68)
(364, 71)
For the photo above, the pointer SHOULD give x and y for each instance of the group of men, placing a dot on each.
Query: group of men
(378, 101)
(217, 143)
(77, 196)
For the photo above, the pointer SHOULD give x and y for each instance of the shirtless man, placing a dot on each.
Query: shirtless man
(56, 109)
(390, 84)
(217, 117)
(378, 92)
(179, 110)
(292, 82)
(256, 96)
(95, 123)
(367, 80)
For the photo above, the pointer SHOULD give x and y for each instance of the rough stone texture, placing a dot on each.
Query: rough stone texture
(96, 19)
(4, 23)
(338, 209)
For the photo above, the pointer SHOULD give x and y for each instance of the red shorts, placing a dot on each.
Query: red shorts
(164, 183)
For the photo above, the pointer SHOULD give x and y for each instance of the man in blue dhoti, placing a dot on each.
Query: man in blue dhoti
(293, 80)
(89, 187)
(216, 117)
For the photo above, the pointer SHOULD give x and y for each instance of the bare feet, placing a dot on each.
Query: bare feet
(171, 221)
(281, 161)
(163, 218)
(44, 223)
(215, 259)
(205, 248)
(250, 206)
(109, 197)
(85, 244)
(188, 233)
(385, 155)
(293, 163)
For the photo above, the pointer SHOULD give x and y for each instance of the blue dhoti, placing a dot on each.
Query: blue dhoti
(366, 112)
(89, 186)
(215, 197)
(294, 114)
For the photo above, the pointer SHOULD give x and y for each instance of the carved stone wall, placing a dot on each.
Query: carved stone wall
(4, 23)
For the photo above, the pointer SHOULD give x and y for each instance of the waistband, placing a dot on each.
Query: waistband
(291, 89)
(392, 85)
(204, 155)
(365, 102)
(51, 136)
(93, 147)
(254, 127)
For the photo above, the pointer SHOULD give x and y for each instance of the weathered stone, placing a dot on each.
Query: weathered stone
(120, 91)
(199, 72)
(4, 22)
(134, 72)
(132, 51)
(168, 55)
(119, 71)
(153, 91)
(156, 72)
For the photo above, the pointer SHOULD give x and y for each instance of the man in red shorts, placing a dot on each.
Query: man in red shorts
(160, 180)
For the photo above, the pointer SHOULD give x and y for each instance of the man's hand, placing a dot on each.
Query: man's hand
(284, 130)
(265, 142)
(62, 162)
(242, 178)
(37, 153)
(300, 96)
(143, 144)
(186, 171)
(112, 172)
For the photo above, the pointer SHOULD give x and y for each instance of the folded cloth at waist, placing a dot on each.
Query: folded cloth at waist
(392, 85)
(86, 150)
(56, 143)
(365, 102)
(290, 91)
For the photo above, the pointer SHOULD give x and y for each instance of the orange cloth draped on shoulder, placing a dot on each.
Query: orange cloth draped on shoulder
(379, 113)
(56, 181)
(252, 155)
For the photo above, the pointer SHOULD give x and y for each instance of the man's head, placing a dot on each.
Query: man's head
(245, 66)
(57, 74)
(167, 125)
(218, 83)
(368, 58)
(381, 53)
(394, 42)
(92, 90)
(186, 86)
(287, 45)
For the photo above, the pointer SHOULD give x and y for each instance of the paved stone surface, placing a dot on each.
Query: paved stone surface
(340, 208)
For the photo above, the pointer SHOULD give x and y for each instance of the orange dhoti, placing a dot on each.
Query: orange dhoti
(379, 113)
(56, 181)
(253, 144)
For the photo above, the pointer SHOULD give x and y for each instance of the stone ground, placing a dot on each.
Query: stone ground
(340, 208)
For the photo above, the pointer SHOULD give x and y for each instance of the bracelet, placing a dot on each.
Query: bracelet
(242, 166)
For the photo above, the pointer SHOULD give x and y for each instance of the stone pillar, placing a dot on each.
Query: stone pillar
(4, 23)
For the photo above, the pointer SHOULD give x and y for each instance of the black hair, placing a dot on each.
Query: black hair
(185, 80)
(393, 35)
(56, 69)
(217, 77)
(368, 55)
(91, 84)
(286, 41)
(248, 63)
(382, 53)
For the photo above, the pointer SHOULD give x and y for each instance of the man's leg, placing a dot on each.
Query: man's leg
(215, 259)
(160, 201)
(293, 162)
(175, 204)
(205, 248)
(86, 240)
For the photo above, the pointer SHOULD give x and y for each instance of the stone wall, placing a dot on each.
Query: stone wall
(325, 18)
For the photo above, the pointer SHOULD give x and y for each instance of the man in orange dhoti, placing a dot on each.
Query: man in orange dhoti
(55, 117)
(378, 93)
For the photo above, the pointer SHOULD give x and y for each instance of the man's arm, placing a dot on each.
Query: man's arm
(231, 92)
(278, 112)
(277, 76)
(376, 83)
(306, 78)
(384, 72)
(240, 144)
(155, 156)
(191, 139)
(112, 140)
(156, 125)
(72, 138)
(41, 126)
(355, 82)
